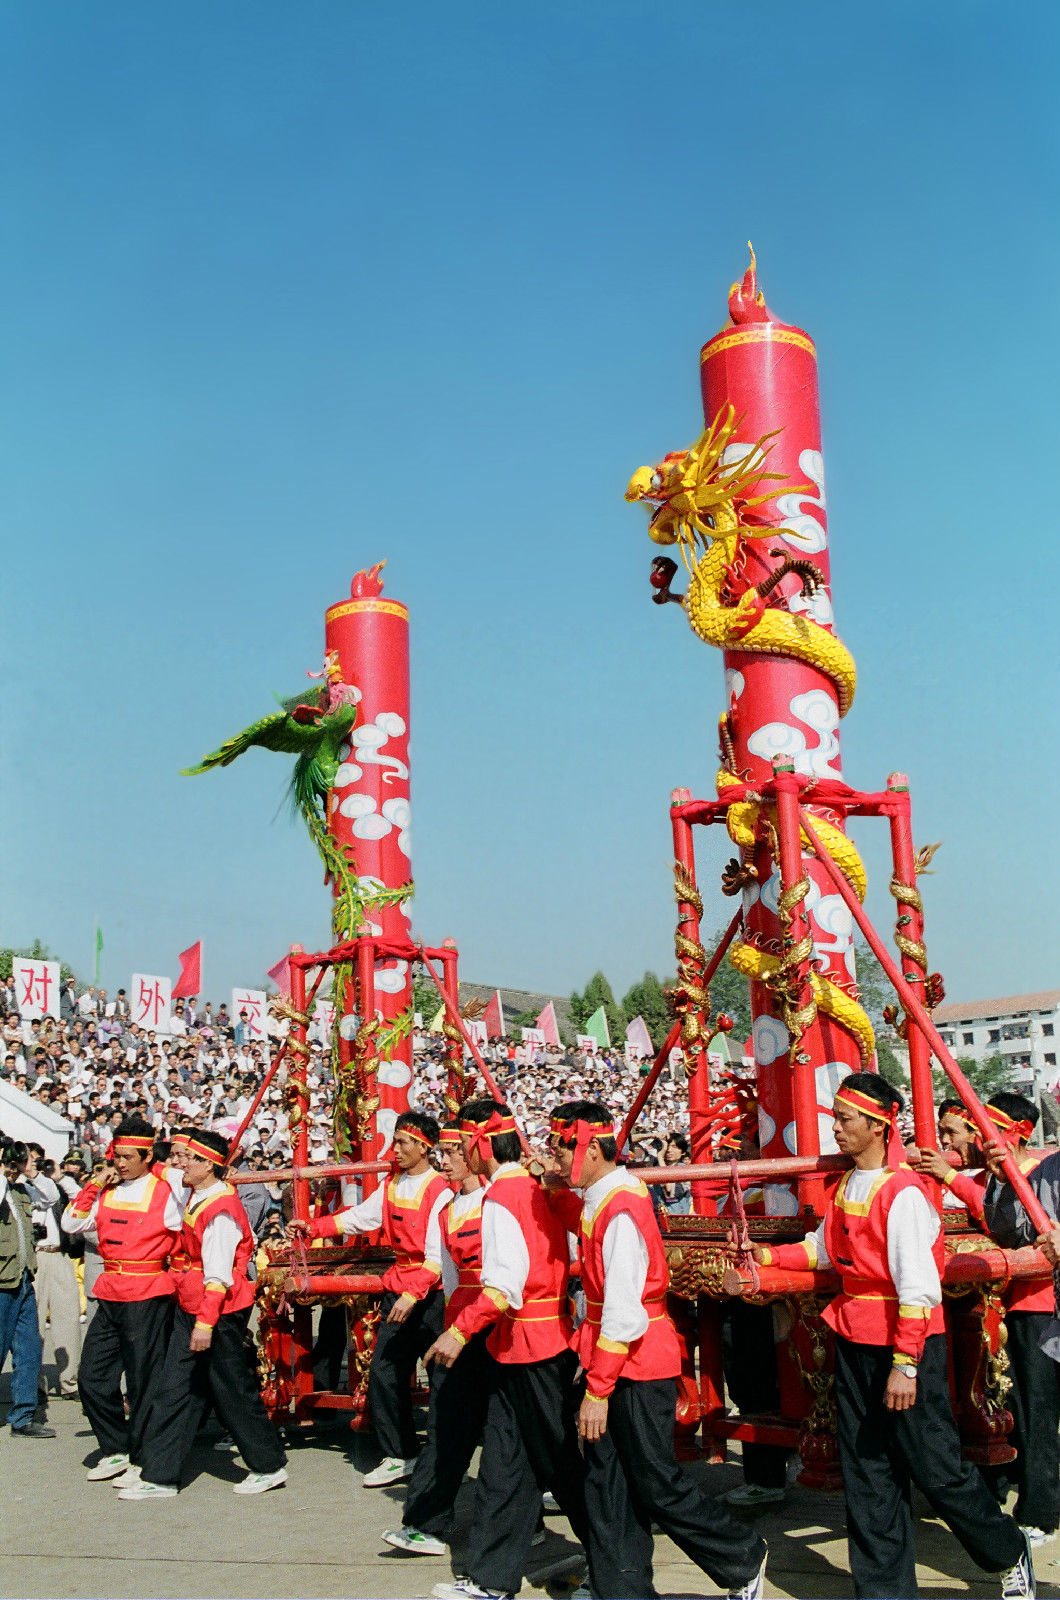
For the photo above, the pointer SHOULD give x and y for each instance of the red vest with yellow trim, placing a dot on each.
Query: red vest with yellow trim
(462, 1237)
(657, 1353)
(855, 1235)
(1030, 1294)
(541, 1328)
(135, 1244)
(190, 1283)
(405, 1231)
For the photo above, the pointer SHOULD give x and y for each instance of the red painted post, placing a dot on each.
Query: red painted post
(298, 1096)
(914, 971)
(806, 1049)
(454, 1048)
(691, 971)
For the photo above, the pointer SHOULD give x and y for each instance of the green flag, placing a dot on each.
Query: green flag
(597, 1027)
(99, 949)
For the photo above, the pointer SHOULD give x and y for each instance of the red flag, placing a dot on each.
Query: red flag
(190, 981)
(548, 1024)
(281, 975)
(493, 1017)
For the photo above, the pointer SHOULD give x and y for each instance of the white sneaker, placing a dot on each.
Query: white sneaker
(467, 1589)
(1038, 1536)
(130, 1476)
(755, 1587)
(226, 1442)
(754, 1494)
(415, 1542)
(392, 1469)
(142, 1490)
(107, 1467)
(259, 1482)
(1019, 1582)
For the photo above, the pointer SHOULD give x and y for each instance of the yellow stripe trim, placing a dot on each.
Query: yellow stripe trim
(861, 1208)
(921, 1312)
(613, 1346)
(757, 333)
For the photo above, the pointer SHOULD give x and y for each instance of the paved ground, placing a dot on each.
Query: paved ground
(320, 1536)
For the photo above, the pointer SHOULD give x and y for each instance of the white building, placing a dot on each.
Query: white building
(30, 1122)
(1023, 1028)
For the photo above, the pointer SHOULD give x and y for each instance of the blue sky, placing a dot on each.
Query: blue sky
(291, 289)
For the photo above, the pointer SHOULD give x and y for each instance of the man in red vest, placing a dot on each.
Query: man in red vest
(895, 1423)
(136, 1218)
(531, 1437)
(1034, 1399)
(207, 1348)
(629, 1351)
(406, 1209)
(459, 1394)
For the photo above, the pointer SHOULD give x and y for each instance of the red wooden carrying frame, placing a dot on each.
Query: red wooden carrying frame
(790, 792)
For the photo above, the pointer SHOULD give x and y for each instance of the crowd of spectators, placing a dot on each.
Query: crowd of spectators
(93, 1065)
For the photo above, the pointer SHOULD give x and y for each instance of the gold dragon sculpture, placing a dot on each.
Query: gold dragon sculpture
(700, 500)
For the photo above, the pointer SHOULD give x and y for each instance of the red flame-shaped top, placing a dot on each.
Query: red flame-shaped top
(746, 301)
(367, 584)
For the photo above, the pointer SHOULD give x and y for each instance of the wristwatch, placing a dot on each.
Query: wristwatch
(906, 1368)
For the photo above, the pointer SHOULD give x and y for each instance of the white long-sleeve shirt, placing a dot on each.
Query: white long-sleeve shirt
(505, 1258)
(368, 1216)
(625, 1256)
(462, 1205)
(912, 1228)
(126, 1194)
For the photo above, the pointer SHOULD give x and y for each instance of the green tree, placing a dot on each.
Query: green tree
(875, 992)
(425, 998)
(986, 1077)
(730, 992)
(647, 999)
(35, 952)
(598, 992)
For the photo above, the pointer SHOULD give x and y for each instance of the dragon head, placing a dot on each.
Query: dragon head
(699, 494)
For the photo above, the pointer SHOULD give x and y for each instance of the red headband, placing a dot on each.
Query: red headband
(204, 1151)
(1011, 1130)
(482, 1132)
(859, 1101)
(449, 1136)
(584, 1133)
(180, 1138)
(414, 1133)
(131, 1141)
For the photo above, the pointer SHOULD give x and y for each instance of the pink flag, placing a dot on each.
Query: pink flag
(281, 975)
(493, 1017)
(190, 981)
(548, 1025)
(638, 1038)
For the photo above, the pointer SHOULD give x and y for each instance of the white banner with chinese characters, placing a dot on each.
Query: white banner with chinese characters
(36, 987)
(476, 1032)
(534, 1038)
(149, 1001)
(587, 1043)
(323, 1024)
(252, 1001)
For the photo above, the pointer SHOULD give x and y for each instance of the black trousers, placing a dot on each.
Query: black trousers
(749, 1356)
(883, 1452)
(398, 1347)
(130, 1337)
(530, 1445)
(1034, 1401)
(188, 1378)
(633, 1479)
(455, 1424)
(332, 1338)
